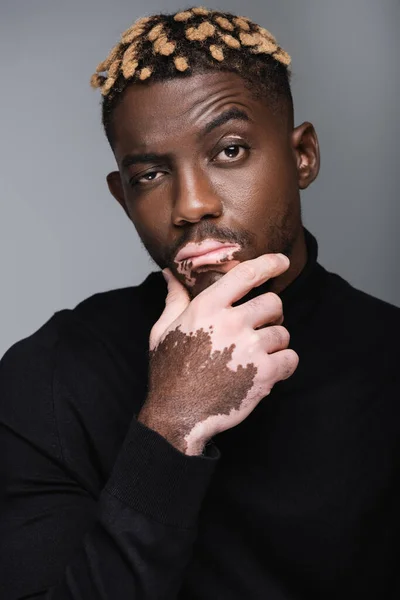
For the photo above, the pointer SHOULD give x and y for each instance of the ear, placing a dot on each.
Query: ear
(116, 188)
(306, 148)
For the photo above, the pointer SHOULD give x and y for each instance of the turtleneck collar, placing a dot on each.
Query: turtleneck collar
(301, 295)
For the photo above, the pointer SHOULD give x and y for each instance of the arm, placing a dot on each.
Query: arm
(57, 540)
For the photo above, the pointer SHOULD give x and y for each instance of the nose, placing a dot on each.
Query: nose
(194, 198)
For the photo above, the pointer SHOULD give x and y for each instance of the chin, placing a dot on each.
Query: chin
(203, 281)
(203, 277)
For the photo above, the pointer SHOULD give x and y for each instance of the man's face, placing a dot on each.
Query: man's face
(201, 160)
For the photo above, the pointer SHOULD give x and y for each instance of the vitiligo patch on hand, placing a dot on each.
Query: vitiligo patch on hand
(193, 378)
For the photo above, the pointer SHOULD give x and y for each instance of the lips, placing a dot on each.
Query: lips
(209, 248)
(210, 258)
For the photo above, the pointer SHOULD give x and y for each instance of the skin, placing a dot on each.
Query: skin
(239, 183)
(191, 350)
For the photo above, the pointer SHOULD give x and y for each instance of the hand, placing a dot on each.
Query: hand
(212, 363)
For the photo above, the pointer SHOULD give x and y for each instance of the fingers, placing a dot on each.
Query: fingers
(284, 363)
(244, 277)
(273, 338)
(262, 310)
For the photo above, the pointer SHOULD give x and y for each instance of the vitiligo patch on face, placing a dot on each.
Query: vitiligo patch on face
(199, 264)
(188, 378)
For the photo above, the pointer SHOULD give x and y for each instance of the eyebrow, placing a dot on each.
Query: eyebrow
(228, 115)
(133, 159)
(232, 114)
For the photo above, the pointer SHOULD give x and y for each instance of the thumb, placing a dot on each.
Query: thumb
(177, 298)
(176, 302)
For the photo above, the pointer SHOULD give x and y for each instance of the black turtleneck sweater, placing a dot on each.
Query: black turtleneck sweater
(301, 500)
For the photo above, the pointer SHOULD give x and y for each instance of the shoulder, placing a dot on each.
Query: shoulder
(83, 366)
(359, 308)
(357, 326)
(114, 312)
(119, 320)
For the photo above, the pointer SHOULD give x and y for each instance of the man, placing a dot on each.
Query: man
(222, 463)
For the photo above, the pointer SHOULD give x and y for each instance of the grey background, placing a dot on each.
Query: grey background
(63, 237)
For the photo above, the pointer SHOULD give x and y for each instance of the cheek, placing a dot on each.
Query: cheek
(150, 216)
(262, 189)
(277, 173)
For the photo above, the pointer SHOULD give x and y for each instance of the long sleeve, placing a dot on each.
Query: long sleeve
(58, 537)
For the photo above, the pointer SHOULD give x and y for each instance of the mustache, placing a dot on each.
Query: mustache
(206, 230)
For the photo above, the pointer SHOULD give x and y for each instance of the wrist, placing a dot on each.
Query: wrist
(191, 445)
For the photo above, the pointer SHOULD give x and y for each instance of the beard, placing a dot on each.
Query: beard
(277, 235)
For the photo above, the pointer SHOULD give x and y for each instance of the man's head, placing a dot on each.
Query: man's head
(198, 110)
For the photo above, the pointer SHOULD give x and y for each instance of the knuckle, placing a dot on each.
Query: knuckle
(274, 262)
(274, 298)
(289, 364)
(276, 334)
(255, 304)
(280, 335)
(245, 271)
(255, 338)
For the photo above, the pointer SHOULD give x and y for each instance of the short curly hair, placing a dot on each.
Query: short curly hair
(196, 40)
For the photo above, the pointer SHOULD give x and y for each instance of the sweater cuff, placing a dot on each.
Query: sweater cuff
(154, 478)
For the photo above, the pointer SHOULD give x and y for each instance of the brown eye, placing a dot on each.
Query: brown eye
(231, 153)
(150, 176)
(146, 178)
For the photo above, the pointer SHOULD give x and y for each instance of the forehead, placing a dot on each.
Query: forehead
(182, 105)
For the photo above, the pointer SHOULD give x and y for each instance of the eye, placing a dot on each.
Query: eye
(231, 153)
(146, 178)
